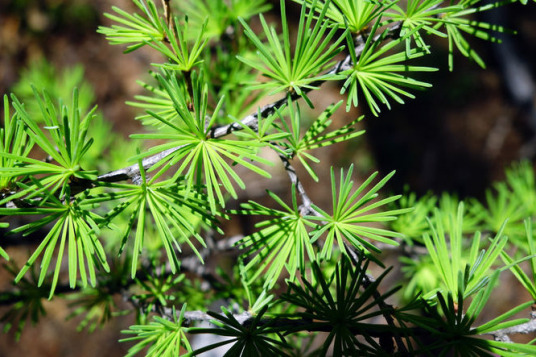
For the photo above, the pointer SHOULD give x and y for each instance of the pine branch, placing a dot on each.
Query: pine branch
(132, 172)
(305, 207)
(250, 120)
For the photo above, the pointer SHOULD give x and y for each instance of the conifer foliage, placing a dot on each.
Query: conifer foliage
(140, 218)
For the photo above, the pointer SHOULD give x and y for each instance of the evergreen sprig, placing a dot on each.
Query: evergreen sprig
(379, 77)
(353, 15)
(419, 16)
(135, 30)
(14, 143)
(282, 242)
(527, 280)
(182, 57)
(251, 339)
(298, 70)
(168, 205)
(461, 273)
(457, 23)
(162, 336)
(203, 159)
(297, 144)
(352, 213)
(63, 138)
(74, 230)
(336, 304)
(455, 333)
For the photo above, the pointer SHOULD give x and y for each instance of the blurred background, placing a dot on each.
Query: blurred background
(457, 137)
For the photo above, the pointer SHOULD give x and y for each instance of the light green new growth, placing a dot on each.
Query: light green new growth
(146, 225)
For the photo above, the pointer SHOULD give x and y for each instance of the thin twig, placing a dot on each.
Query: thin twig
(167, 12)
(305, 207)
